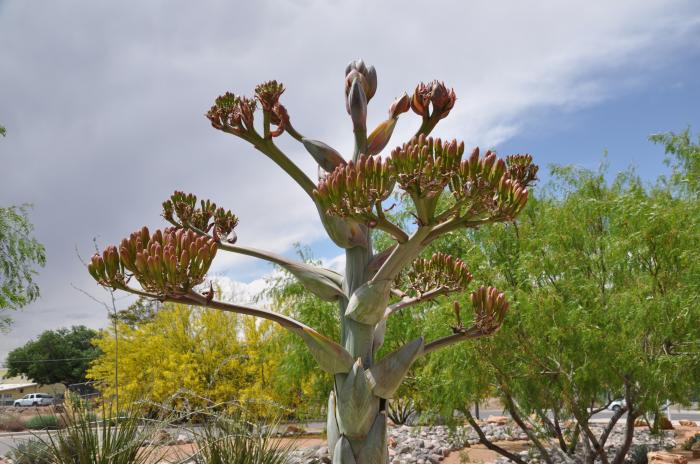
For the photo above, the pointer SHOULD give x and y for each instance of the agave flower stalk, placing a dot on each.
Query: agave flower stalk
(449, 191)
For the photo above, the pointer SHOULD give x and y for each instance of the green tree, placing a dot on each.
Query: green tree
(683, 156)
(190, 359)
(603, 279)
(19, 254)
(56, 356)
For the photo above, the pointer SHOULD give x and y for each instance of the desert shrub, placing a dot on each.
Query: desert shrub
(232, 440)
(80, 442)
(43, 422)
(32, 451)
(638, 454)
(401, 410)
(12, 424)
(688, 444)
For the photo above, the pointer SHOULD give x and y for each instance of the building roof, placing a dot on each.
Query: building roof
(14, 386)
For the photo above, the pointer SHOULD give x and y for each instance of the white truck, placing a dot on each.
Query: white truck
(35, 399)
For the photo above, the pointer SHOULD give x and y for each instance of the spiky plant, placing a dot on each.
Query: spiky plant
(450, 192)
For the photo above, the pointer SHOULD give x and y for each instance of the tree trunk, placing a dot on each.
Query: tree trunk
(356, 424)
(629, 434)
(514, 413)
(487, 443)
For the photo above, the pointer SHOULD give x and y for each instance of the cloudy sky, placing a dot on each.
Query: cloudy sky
(104, 104)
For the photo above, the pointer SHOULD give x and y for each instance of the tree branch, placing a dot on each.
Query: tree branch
(487, 443)
(510, 405)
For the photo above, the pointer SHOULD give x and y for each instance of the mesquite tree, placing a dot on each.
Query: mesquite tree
(449, 192)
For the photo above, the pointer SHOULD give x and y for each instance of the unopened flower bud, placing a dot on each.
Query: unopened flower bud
(400, 105)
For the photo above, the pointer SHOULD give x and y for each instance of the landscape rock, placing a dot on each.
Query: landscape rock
(664, 457)
(499, 420)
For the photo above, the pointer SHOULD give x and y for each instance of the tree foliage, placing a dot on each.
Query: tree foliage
(604, 282)
(189, 359)
(56, 356)
(20, 253)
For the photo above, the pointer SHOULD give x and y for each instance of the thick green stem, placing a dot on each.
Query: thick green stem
(360, 143)
(275, 154)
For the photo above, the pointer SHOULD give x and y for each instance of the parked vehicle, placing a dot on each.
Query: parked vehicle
(617, 405)
(35, 399)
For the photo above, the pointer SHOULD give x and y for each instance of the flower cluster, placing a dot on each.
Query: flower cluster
(182, 209)
(490, 307)
(166, 263)
(521, 169)
(355, 189)
(440, 272)
(423, 166)
(484, 187)
(484, 183)
(268, 94)
(232, 113)
(433, 94)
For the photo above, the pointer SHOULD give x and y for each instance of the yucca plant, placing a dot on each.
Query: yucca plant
(85, 440)
(230, 440)
(31, 451)
(450, 192)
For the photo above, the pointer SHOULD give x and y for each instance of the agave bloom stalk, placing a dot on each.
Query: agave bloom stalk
(475, 190)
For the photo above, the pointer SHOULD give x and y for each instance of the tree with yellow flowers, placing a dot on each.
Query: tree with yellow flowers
(188, 359)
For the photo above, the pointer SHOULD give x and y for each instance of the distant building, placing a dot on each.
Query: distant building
(14, 388)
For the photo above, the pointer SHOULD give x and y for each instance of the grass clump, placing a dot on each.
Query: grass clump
(43, 422)
(232, 440)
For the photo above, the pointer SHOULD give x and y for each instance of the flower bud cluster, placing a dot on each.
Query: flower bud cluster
(167, 263)
(490, 307)
(232, 113)
(423, 166)
(486, 183)
(521, 169)
(354, 189)
(433, 100)
(182, 208)
(268, 94)
(441, 271)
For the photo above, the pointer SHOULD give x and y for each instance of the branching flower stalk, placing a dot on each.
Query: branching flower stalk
(171, 264)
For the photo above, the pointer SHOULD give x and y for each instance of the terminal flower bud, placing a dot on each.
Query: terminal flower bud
(366, 75)
(357, 106)
(400, 105)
